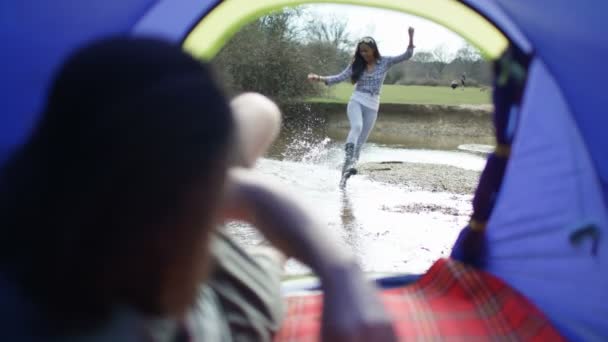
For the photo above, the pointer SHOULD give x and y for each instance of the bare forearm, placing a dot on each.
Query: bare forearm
(345, 74)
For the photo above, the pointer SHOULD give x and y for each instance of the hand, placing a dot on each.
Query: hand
(410, 32)
(314, 77)
(352, 309)
(258, 123)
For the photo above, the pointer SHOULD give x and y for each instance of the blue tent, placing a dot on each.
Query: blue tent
(546, 233)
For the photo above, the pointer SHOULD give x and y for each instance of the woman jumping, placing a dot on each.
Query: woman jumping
(367, 72)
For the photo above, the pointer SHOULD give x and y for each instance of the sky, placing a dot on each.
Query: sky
(389, 28)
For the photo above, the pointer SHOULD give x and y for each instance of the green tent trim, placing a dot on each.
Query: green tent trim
(218, 26)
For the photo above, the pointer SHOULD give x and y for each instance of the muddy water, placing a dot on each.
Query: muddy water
(390, 227)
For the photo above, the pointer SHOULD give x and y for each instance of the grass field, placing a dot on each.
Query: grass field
(340, 93)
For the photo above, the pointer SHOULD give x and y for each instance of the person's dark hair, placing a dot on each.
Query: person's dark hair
(129, 126)
(359, 64)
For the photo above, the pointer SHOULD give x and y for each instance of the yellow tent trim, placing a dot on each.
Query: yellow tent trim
(215, 29)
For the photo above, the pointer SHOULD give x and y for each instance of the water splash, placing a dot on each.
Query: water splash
(309, 152)
(305, 141)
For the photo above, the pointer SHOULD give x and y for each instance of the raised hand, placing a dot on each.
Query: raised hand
(258, 122)
(410, 32)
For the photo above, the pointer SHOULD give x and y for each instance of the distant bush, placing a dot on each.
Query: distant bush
(271, 57)
(265, 57)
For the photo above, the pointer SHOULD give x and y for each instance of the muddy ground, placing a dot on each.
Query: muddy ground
(426, 177)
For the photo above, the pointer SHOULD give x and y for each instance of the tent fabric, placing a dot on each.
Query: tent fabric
(571, 39)
(491, 9)
(172, 19)
(38, 35)
(550, 190)
(557, 178)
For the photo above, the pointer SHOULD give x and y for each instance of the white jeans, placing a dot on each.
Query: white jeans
(362, 120)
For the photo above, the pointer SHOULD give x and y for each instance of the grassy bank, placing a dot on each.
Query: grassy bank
(399, 94)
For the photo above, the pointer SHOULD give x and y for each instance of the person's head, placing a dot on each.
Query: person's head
(365, 53)
(112, 199)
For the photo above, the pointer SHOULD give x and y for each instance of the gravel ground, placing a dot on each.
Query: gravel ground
(427, 177)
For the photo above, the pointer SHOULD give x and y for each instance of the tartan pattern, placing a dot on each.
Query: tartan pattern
(451, 302)
(371, 82)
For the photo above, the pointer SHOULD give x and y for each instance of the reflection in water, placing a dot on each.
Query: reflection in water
(346, 214)
(348, 220)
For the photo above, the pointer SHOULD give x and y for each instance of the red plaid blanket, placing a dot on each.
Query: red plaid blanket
(452, 302)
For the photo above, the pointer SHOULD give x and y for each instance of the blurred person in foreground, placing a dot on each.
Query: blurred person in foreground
(110, 212)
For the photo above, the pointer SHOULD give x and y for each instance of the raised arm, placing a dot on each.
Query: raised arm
(352, 309)
(409, 52)
(331, 80)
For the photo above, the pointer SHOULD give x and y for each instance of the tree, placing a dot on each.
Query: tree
(423, 57)
(266, 57)
(441, 58)
(470, 62)
(328, 44)
(424, 63)
(468, 53)
(279, 25)
(329, 30)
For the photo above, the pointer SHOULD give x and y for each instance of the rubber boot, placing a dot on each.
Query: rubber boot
(347, 168)
(349, 157)
(357, 153)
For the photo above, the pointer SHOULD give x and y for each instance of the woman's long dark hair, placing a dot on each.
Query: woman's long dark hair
(359, 64)
(129, 125)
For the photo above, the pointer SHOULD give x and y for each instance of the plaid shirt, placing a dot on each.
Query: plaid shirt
(371, 82)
